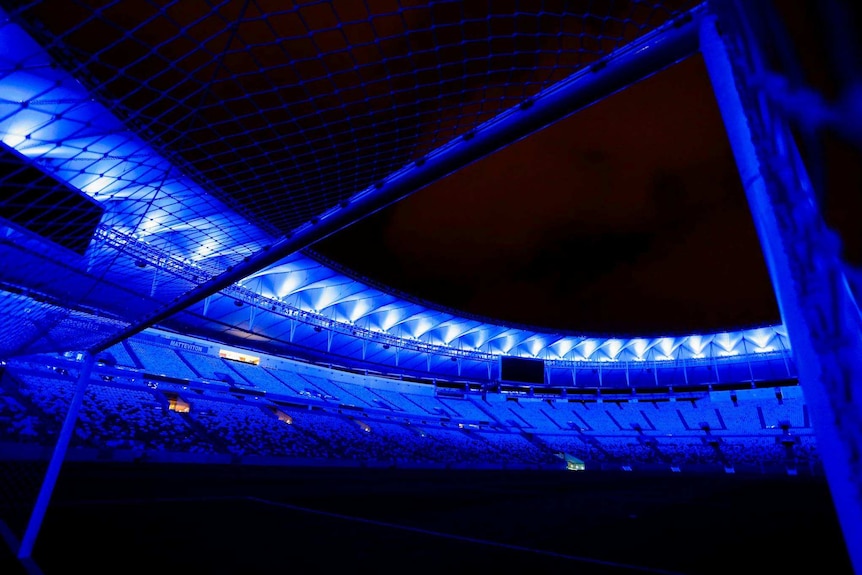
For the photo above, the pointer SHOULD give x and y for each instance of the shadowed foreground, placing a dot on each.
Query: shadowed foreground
(109, 518)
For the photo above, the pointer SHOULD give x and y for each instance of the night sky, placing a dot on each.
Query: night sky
(625, 218)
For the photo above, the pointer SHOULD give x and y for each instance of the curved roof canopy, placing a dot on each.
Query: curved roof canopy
(194, 143)
(304, 301)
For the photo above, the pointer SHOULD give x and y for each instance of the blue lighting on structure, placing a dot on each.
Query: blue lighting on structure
(56, 125)
(48, 117)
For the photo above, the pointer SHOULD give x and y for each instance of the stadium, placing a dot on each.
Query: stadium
(224, 347)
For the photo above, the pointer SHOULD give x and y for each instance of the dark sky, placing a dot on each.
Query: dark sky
(628, 217)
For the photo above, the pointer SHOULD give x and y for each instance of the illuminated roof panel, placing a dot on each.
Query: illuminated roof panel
(413, 326)
(202, 151)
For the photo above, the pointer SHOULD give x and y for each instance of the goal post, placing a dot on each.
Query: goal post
(805, 257)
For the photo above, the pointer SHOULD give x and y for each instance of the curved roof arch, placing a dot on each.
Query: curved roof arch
(350, 305)
(168, 229)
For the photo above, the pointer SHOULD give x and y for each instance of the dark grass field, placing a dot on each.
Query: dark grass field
(169, 518)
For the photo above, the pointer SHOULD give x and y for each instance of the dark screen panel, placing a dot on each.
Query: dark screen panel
(44, 205)
(522, 370)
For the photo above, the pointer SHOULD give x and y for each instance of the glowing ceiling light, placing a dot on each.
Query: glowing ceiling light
(761, 338)
(16, 130)
(665, 344)
(422, 327)
(326, 297)
(639, 346)
(98, 184)
(392, 317)
(204, 250)
(359, 310)
(291, 282)
(39, 150)
(725, 342)
(564, 346)
(452, 332)
(13, 140)
(535, 347)
(696, 344)
(147, 226)
(510, 343)
(613, 347)
(588, 347)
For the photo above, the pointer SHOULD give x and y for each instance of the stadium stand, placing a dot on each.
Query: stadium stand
(299, 417)
(158, 359)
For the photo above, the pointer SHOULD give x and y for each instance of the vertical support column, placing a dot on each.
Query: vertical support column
(41, 506)
(155, 281)
(822, 319)
(785, 355)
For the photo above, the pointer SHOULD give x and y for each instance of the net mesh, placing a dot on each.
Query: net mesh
(799, 70)
(206, 130)
(289, 108)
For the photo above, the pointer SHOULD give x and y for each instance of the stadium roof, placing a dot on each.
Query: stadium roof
(304, 303)
(161, 158)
